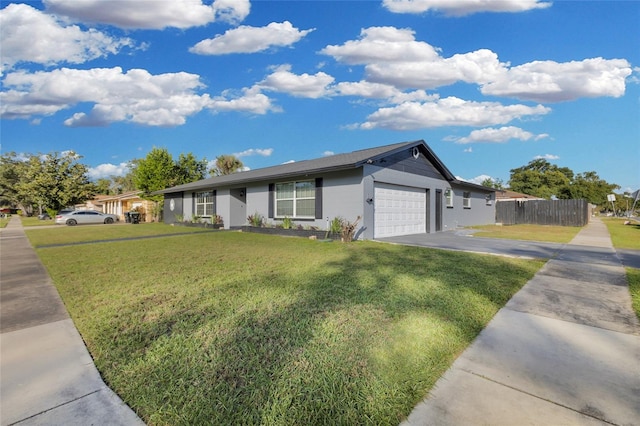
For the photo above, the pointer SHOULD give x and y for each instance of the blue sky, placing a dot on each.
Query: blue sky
(489, 85)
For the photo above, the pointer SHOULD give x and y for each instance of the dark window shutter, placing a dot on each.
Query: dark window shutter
(193, 203)
(272, 190)
(215, 202)
(318, 198)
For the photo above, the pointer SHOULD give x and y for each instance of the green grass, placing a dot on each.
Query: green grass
(63, 234)
(623, 236)
(548, 233)
(238, 328)
(4, 221)
(633, 277)
(34, 221)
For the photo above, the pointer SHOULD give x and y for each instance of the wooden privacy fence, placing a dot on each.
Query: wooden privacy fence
(543, 212)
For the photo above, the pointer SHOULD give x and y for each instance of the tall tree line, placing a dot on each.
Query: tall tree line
(38, 183)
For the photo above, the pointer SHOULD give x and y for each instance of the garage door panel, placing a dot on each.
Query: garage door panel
(399, 210)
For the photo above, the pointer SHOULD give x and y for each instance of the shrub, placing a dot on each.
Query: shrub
(256, 219)
(335, 227)
(287, 223)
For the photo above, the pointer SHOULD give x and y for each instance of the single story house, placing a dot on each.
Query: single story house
(128, 202)
(509, 195)
(396, 189)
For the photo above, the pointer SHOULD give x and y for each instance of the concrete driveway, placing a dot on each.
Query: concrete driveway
(463, 240)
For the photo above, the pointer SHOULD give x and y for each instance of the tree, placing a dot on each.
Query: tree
(10, 171)
(590, 187)
(125, 183)
(542, 179)
(226, 164)
(104, 186)
(154, 173)
(189, 169)
(46, 182)
(158, 171)
(492, 183)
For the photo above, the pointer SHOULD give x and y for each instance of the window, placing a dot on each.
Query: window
(295, 199)
(204, 203)
(466, 200)
(448, 197)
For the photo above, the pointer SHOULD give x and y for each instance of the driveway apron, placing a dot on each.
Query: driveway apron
(564, 350)
(46, 373)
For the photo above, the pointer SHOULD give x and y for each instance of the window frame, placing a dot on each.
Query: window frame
(448, 198)
(294, 199)
(202, 200)
(466, 199)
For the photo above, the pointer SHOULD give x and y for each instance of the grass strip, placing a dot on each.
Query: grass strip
(623, 236)
(237, 328)
(633, 277)
(548, 233)
(62, 234)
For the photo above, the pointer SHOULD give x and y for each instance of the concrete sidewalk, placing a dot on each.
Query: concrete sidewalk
(564, 350)
(47, 376)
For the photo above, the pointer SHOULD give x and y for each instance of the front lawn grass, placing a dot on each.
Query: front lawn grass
(623, 236)
(238, 328)
(63, 234)
(633, 276)
(548, 233)
(34, 221)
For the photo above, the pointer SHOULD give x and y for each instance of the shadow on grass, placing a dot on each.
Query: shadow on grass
(357, 341)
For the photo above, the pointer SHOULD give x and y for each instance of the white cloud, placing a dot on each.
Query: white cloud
(135, 96)
(29, 35)
(393, 56)
(468, 149)
(328, 153)
(250, 101)
(365, 89)
(546, 157)
(107, 170)
(463, 7)
(477, 180)
(382, 44)
(302, 86)
(254, 151)
(498, 135)
(548, 81)
(151, 15)
(246, 39)
(449, 111)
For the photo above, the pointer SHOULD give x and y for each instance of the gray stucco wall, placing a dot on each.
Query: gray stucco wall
(480, 212)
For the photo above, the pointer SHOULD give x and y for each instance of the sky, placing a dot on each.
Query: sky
(489, 85)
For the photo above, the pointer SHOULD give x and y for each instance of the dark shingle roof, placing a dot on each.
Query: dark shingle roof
(318, 165)
(331, 163)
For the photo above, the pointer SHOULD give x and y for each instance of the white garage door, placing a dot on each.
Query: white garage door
(399, 210)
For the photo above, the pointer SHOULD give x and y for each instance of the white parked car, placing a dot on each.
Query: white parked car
(84, 217)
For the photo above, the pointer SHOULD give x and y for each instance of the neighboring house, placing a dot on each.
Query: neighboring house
(96, 204)
(509, 195)
(396, 189)
(127, 202)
